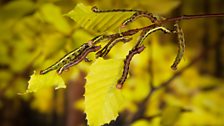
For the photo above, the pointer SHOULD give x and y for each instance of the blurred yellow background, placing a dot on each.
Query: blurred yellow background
(35, 33)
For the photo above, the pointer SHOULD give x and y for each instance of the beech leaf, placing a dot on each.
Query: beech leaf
(38, 82)
(103, 100)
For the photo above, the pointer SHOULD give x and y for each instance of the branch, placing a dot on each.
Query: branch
(168, 20)
(157, 25)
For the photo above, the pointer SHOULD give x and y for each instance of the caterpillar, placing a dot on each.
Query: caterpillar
(127, 63)
(66, 59)
(146, 32)
(181, 46)
(97, 10)
(136, 15)
(97, 39)
(71, 56)
(106, 49)
(137, 49)
(78, 59)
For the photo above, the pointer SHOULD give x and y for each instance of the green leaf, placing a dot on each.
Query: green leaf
(103, 100)
(38, 82)
(98, 22)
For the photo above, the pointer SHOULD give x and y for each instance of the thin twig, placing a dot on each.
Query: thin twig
(168, 20)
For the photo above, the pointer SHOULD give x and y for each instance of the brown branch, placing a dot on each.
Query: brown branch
(156, 24)
(190, 17)
(168, 20)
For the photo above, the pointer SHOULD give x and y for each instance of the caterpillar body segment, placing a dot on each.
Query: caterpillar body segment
(106, 49)
(78, 59)
(137, 15)
(66, 59)
(146, 32)
(181, 46)
(127, 62)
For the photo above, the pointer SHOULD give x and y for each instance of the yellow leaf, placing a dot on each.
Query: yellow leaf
(52, 14)
(98, 22)
(170, 115)
(103, 100)
(141, 123)
(38, 82)
(43, 100)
